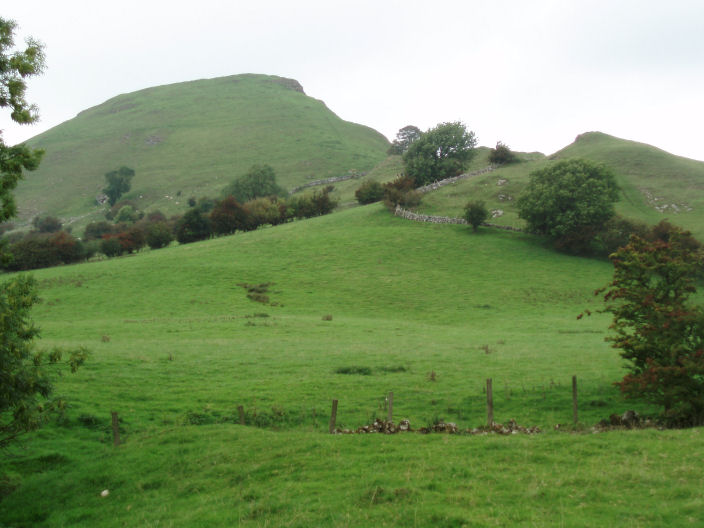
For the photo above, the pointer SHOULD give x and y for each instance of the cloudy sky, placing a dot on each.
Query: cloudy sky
(532, 74)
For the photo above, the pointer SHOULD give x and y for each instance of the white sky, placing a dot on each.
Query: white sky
(532, 74)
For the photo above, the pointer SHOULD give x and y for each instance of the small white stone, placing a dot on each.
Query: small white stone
(105, 493)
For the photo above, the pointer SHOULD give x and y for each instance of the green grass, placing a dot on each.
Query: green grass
(183, 347)
(648, 177)
(192, 139)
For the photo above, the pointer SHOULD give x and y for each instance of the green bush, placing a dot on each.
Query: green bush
(369, 192)
(158, 235)
(502, 155)
(475, 213)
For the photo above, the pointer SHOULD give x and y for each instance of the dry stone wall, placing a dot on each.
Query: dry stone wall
(447, 181)
(410, 215)
(326, 181)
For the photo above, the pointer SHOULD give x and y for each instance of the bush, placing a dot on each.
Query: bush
(369, 192)
(46, 224)
(476, 214)
(502, 155)
(192, 227)
(111, 246)
(316, 204)
(96, 230)
(127, 214)
(133, 239)
(42, 251)
(259, 181)
(616, 234)
(158, 235)
(401, 192)
(229, 216)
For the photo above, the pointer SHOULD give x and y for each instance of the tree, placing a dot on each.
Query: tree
(404, 138)
(502, 155)
(25, 384)
(46, 224)
(158, 235)
(439, 153)
(658, 330)
(475, 213)
(259, 181)
(15, 68)
(229, 216)
(118, 183)
(569, 202)
(192, 226)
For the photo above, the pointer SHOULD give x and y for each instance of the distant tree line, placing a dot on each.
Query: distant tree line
(127, 230)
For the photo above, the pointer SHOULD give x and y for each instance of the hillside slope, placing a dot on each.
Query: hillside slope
(191, 139)
(654, 184)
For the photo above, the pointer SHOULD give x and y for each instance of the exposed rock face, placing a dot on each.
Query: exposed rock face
(292, 84)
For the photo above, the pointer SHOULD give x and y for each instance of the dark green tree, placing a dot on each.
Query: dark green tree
(439, 153)
(658, 330)
(475, 213)
(118, 183)
(259, 181)
(569, 202)
(158, 235)
(192, 226)
(404, 138)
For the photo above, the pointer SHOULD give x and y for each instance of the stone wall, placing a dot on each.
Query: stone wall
(410, 215)
(447, 181)
(326, 181)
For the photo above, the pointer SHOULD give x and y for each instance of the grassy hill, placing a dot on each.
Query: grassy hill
(191, 139)
(426, 311)
(654, 184)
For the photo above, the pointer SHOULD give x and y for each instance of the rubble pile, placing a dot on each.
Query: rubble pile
(387, 427)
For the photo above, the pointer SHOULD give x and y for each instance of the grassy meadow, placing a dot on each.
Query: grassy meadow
(426, 311)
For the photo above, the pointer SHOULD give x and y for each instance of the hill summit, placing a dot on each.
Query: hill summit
(191, 139)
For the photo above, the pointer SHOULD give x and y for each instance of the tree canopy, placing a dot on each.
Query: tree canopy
(404, 138)
(569, 201)
(439, 153)
(118, 183)
(16, 67)
(258, 182)
(658, 330)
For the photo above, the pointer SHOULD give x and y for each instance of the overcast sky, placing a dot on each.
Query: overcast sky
(532, 74)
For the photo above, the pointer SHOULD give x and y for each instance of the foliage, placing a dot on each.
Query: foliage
(110, 246)
(369, 192)
(658, 330)
(269, 210)
(46, 224)
(96, 230)
(158, 235)
(502, 155)
(439, 153)
(569, 202)
(192, 226)
(26, 388)
(229, 216)
(476, 213)
(404, 138)
(118, 183)
(616, 233)
(132, 239)
(43, 250)
(316, 204)
(401, 192)
(127, 214)
(260, 180)
(15, 68)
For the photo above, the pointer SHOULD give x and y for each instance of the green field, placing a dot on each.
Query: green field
(430, 311)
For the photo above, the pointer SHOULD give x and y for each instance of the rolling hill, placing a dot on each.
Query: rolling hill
(654, 184)
(191, 139)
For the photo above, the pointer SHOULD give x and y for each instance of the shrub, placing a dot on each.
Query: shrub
(133, 239)
(502, 155)
(42, 251)
(316, 204)
(229, 216)
(264, 211)
(369, 192)
(127, 214)
(158, 235)
(401, 191)
(258, 182)
(111, 246)
(475, 213)
(46, 224)
(616, 233)
(96, 230)
(192, 227)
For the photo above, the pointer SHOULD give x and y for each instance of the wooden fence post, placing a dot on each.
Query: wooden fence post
(489, 403)
(115, 429)
(240, 410)
(333, 417)
(574, 399)
(390, 417)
